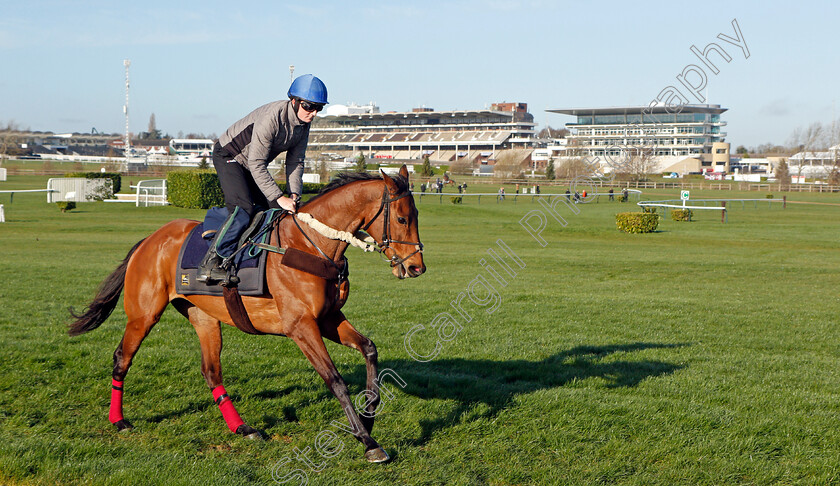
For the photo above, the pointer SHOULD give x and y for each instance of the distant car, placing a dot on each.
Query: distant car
(672, 175)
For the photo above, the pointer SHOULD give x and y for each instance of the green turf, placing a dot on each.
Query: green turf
(704, 353)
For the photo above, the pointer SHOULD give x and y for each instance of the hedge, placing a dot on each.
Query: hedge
(116, 180)
(637, 222)
(194, 189)
(200, 189)
(681, 215)
(308, 187)
(456, 199)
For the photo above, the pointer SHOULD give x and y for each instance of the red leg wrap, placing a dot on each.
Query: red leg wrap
(115, 415)
(229, 412)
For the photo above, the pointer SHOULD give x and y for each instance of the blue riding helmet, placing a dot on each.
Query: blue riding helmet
(309, 88)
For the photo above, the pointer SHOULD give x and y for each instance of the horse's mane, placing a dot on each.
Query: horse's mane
(343, 178)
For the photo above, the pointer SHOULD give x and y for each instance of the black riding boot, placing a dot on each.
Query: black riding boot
(212, 268)
(216, 263)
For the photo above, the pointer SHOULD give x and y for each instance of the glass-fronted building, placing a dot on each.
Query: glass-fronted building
(606, 131)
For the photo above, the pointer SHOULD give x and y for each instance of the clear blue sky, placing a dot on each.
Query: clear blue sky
(199, 66)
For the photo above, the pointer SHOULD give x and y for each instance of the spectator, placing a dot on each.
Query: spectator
(612, 195)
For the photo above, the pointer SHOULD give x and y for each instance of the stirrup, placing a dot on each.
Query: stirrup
(211, 268)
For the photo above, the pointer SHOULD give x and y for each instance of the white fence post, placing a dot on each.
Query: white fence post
(2, 214)
(152, 192)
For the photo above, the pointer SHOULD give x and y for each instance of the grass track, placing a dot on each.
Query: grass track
(702, 354)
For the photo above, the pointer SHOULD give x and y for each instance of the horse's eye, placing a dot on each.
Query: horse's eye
(401, 220)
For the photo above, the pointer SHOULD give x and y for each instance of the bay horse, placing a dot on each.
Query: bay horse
(299, 305)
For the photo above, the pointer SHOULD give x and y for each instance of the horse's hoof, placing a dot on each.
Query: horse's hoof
(123, 425)
(249, 432)
(377, 455)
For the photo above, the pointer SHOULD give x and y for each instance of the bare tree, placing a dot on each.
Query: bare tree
(636, 163)
(462, 166)
(576, 167)
(508, 167)
(833, 175)
(322, 168)
(9, 145)
(806, 140)
(552, 133)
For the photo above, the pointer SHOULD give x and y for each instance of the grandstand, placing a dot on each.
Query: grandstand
(444, 136)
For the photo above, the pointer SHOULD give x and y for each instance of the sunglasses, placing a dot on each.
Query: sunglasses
(310, 107)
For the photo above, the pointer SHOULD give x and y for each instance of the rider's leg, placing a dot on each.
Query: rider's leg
(238, 189)
(214, 265)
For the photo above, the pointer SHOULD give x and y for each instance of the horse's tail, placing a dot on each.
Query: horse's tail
(104, 302)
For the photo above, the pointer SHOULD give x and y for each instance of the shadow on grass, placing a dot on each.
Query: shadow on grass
(192, 407)
(497, 383)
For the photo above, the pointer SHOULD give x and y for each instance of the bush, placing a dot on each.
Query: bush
(456, 199)
(769, 196)
(361, 165)
(194, 189)
(637, 222)
(681, 215)
(116, 180)
(65, 206)
(308, 187)
(426, 169)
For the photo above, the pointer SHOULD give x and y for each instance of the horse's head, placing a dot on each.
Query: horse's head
(394, 226)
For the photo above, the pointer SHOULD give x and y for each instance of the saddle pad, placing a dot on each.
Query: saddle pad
(251, 272)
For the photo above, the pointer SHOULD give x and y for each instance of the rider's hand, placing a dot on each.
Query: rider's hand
(287, 203)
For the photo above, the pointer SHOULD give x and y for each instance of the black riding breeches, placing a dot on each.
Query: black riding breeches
(238, 184)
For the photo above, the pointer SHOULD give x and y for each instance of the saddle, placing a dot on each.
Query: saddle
(249, 264)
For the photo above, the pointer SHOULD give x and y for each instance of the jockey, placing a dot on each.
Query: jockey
(241, 157)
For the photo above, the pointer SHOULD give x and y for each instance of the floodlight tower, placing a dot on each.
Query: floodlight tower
(126, 63)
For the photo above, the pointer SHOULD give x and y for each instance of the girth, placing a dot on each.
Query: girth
(324, 268)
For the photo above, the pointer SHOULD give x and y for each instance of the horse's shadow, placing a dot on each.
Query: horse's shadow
(495, 384)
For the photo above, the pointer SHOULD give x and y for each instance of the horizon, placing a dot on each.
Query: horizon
(199, 67)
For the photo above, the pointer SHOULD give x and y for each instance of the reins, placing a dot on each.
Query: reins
(367, 244)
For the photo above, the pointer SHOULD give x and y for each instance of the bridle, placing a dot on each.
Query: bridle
(380, 247)
(385, 245)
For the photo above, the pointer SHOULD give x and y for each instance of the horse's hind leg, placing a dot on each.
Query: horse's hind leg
(210, 336)
(141, 319)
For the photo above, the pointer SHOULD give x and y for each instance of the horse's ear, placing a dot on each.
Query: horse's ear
(404, 171)
(392, 186)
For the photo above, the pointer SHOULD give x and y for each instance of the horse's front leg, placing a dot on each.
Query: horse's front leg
(308, 338)
(337, 328)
